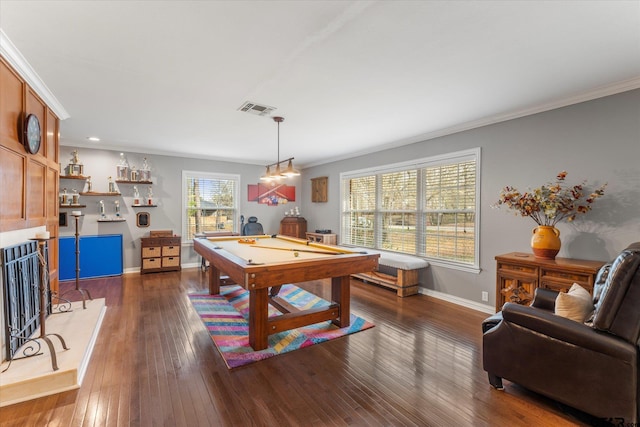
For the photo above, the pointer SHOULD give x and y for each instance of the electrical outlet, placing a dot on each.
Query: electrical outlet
(485, 296)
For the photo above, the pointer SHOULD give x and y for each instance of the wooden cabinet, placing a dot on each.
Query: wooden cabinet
(294, 226)
(324, 238)
(319, 189)
(518, 274)
(160, 254)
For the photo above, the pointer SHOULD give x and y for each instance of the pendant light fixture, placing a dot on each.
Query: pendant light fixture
(278, 172)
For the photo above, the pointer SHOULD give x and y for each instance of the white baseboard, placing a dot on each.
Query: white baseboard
(458, 301)
(191, 265)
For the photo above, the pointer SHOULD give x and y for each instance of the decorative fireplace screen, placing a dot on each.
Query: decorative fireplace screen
(21, 294)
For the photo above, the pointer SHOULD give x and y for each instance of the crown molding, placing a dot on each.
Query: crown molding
(595, 93)
(590, 95)
(19, 63)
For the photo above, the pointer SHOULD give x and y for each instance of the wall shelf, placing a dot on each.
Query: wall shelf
(80, 182)
(94, 193)
(120, 181)
(79, 177)
(111, 220)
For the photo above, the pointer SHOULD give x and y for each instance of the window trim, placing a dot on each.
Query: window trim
(187, 174)
(431, 161)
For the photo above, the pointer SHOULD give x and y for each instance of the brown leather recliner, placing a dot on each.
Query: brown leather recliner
(590, 366)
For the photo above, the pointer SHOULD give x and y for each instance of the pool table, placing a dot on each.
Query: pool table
(262, 264)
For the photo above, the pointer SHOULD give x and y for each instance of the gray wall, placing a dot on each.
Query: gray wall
(166, 174)
(597, 140)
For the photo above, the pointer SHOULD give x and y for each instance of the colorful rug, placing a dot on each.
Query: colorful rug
(226, 318)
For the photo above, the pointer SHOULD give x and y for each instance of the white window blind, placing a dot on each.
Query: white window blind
(449, 212)
(427, 207)
(210, 202)
(398, 211)
(359, 215)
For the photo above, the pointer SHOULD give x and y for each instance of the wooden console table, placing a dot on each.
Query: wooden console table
(518, 274)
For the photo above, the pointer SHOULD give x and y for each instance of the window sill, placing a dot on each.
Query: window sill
(454, 266)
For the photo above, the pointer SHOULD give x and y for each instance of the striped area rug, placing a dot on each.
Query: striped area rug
(226, 318)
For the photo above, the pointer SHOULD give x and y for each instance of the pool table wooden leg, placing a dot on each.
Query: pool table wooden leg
(340, 293)
(214, 280)
(258, 318)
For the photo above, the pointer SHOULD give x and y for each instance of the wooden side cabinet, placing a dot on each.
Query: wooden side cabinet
(160, 254)
(293, 226)
(518, 274)
(319, 189)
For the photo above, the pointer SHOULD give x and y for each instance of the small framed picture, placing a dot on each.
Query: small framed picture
(143, 219)
(62, 219)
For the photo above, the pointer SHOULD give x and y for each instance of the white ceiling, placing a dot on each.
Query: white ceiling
(350, 77)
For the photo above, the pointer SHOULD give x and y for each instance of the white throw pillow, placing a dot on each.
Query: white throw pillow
(576, 304)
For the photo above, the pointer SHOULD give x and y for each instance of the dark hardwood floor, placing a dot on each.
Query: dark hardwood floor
(154, 364)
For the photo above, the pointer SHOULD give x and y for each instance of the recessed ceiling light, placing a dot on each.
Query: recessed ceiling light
(93, 138)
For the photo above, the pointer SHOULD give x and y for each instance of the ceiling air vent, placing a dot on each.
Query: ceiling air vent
(258, 110)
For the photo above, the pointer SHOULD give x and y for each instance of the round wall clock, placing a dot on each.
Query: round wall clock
(32, 134)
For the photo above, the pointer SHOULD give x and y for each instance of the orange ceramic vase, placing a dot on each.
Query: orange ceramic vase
(545, 242)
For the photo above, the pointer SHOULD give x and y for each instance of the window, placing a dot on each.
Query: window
(209, 202)
(427, 207)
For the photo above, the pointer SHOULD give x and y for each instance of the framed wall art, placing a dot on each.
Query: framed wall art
(272, 195)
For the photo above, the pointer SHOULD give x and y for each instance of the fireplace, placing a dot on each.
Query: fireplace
(21, 281)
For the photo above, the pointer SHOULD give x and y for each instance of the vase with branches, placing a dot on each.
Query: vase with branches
(549, 204)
